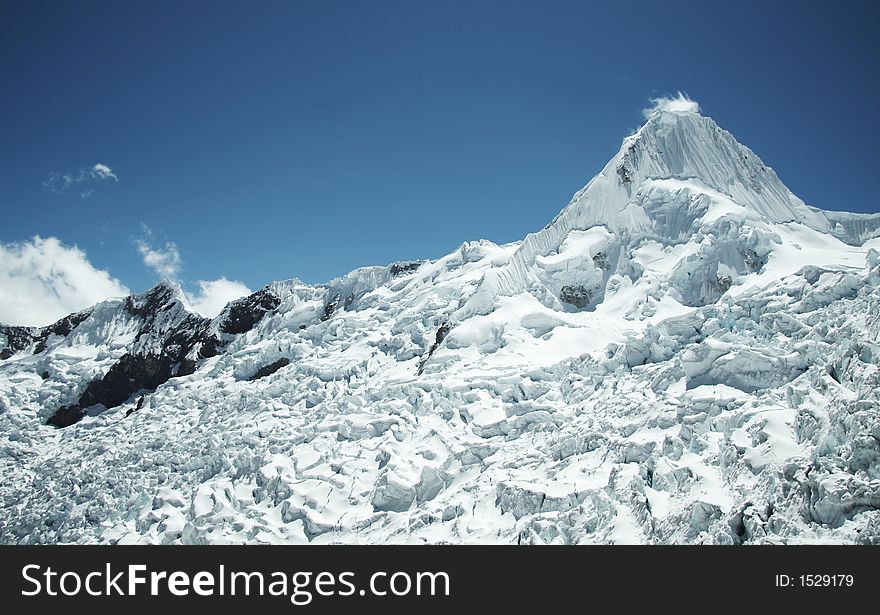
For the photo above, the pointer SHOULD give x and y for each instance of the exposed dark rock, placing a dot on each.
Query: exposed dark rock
(148, 305)
(244, 313)
(190, 333)
(130, 374)
(330, 307)
(66, 416)
(577, 295)
(334, 298)
(723, 283)
(442, 331)
(628, 162)
(404, 267)
(441, 335)
(173, 343)
(19, 339)
(139, 405)
(63, 327)
(601, 260)
(270, 369)
(752, 260)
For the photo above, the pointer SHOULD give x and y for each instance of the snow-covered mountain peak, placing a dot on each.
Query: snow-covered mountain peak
(673, 181)
(685, 145)
(167, 294)
(686, 353)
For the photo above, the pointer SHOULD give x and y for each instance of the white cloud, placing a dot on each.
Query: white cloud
(680, 103)
(165, 261)
(42, 280)
(213, 295)
(102, 171)
(98, 172)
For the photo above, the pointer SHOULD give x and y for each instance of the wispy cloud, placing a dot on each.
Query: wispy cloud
(84, 178)
(211, 296)
(165, 261)
(680, 103)
(102, 171)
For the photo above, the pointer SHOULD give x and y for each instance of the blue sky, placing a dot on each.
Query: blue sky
(268, 140)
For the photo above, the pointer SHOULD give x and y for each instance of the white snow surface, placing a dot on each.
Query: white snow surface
(687, 353)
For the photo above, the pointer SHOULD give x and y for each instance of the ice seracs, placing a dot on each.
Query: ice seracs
(686, 353)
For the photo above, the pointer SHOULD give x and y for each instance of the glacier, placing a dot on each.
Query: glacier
(688, 353)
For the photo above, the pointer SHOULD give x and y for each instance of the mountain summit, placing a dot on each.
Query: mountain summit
(684, 145)
(662, 184)
(686, 353)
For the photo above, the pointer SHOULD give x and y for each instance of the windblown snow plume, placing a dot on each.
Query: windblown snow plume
(680, 103)
(687, 353)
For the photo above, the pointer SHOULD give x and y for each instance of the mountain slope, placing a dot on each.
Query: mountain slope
(686, 353)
